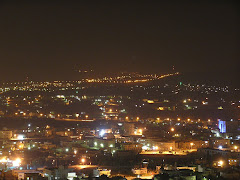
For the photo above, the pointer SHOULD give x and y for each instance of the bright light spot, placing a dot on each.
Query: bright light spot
(145, 148)
(21, 146)
(17, 162)
(220, 147)
(83, 160)
(102, 132)
(220, 163)
(3, 160)
(20, 137)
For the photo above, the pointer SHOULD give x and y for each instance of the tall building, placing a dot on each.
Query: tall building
(222, 126)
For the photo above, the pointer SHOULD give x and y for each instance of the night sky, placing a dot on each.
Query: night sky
(47, 40)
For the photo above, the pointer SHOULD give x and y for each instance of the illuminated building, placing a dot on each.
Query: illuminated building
(222, 126)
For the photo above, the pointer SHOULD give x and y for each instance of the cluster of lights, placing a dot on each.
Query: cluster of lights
(15, 163)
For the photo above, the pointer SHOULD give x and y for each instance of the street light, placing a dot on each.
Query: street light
(75, 151)
(220, 163)
(191, 144)
(83, 160)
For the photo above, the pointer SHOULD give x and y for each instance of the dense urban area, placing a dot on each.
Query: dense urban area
(130, 126)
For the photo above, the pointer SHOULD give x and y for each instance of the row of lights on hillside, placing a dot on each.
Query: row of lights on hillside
(137, 118)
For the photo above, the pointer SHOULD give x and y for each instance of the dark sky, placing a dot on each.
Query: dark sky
(47, 39)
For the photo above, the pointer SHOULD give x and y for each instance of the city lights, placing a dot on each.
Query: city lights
(133, 90)
(16, 162)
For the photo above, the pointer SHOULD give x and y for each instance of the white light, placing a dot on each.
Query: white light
(17, 162)
(145, 147)
(219, 147)
(102, 132)
(20, 137)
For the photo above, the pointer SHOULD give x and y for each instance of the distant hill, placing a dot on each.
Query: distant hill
(214, 78)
